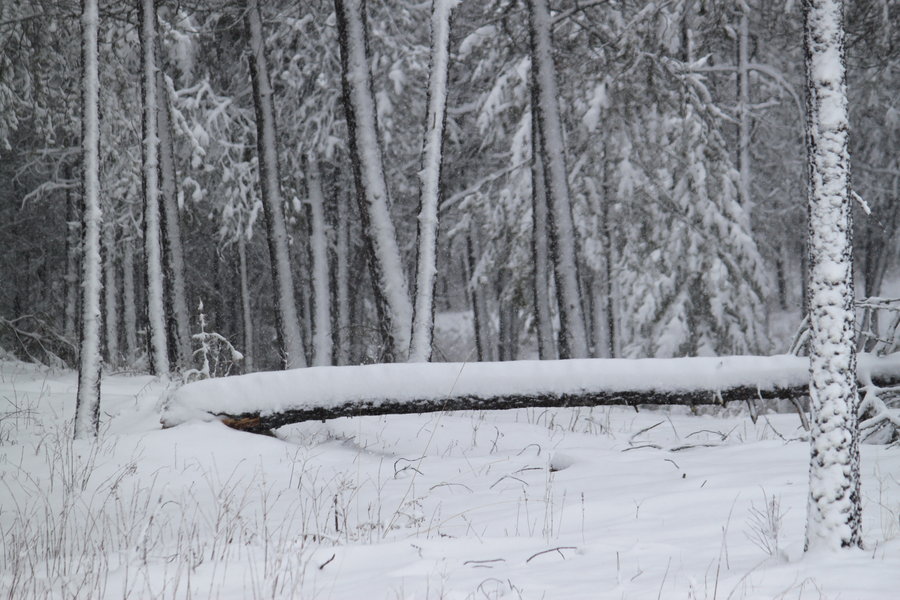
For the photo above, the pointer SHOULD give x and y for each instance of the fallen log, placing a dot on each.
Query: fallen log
(261, 402)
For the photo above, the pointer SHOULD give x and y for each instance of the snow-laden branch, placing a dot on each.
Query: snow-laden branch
(263, 401)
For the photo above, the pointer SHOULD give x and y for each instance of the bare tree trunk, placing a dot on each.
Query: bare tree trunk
(781, 279)
(481, 318)
(605, 304)
(159, 354)
(129, 300)
(73, 262)
(509, 331)
(834, 517)
(430, 189)
(246, 311)
(287, 324)
(388, 278)
(573, 340)
(539, 246)
(744, 123)
(179, 316)
(342, 274)
(87, 406)
(111, 289)
(321, 281)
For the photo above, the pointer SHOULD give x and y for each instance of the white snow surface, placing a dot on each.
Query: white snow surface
(601, 503)
(270, 392)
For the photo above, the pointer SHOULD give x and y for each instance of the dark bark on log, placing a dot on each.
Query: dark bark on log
(256, 423)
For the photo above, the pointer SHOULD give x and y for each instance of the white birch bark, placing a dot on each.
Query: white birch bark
(833, 519)
(573, 338)
(287, 323)
(159, 356)
(87, 406)
(111, 288)
(389, 280)
(321, 282)
(430, 182)
(174, 250)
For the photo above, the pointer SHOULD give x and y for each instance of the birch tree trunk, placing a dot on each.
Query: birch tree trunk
(321, 282)
(290, 340)
(388, 279)
(87, 405)
(430, 185)
(179, 316)
(539, 246)
(159, 355)
(834, 515)
(573, 338)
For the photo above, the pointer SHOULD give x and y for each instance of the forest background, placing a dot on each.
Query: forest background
(685, 164)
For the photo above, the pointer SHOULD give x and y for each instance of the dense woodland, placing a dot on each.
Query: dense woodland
(682, 149)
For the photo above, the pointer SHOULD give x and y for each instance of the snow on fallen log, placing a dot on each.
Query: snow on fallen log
(263, 401)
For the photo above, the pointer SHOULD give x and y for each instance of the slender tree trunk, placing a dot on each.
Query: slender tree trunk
(744, 123)
(481, 318)
(129, 301)
(87, 406)
(343, 280)
(388, 278)
(609, 296)
(179, 315)
(290, 339)
(573, 339)
(159, 355)
(606, 306)
(73, 262)
(781, 280)
(430, 185)
(509, 331)
(246, 311)
(834, 518)
(303, 286)
(539, 246)
(321, 281)
(111, 288)
(595, 317)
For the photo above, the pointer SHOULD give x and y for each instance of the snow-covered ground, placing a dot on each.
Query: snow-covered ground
(545, 503)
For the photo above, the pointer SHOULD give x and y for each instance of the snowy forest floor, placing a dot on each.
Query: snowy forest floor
(555, 504)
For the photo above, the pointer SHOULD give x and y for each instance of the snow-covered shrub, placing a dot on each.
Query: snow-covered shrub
(216, 356)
